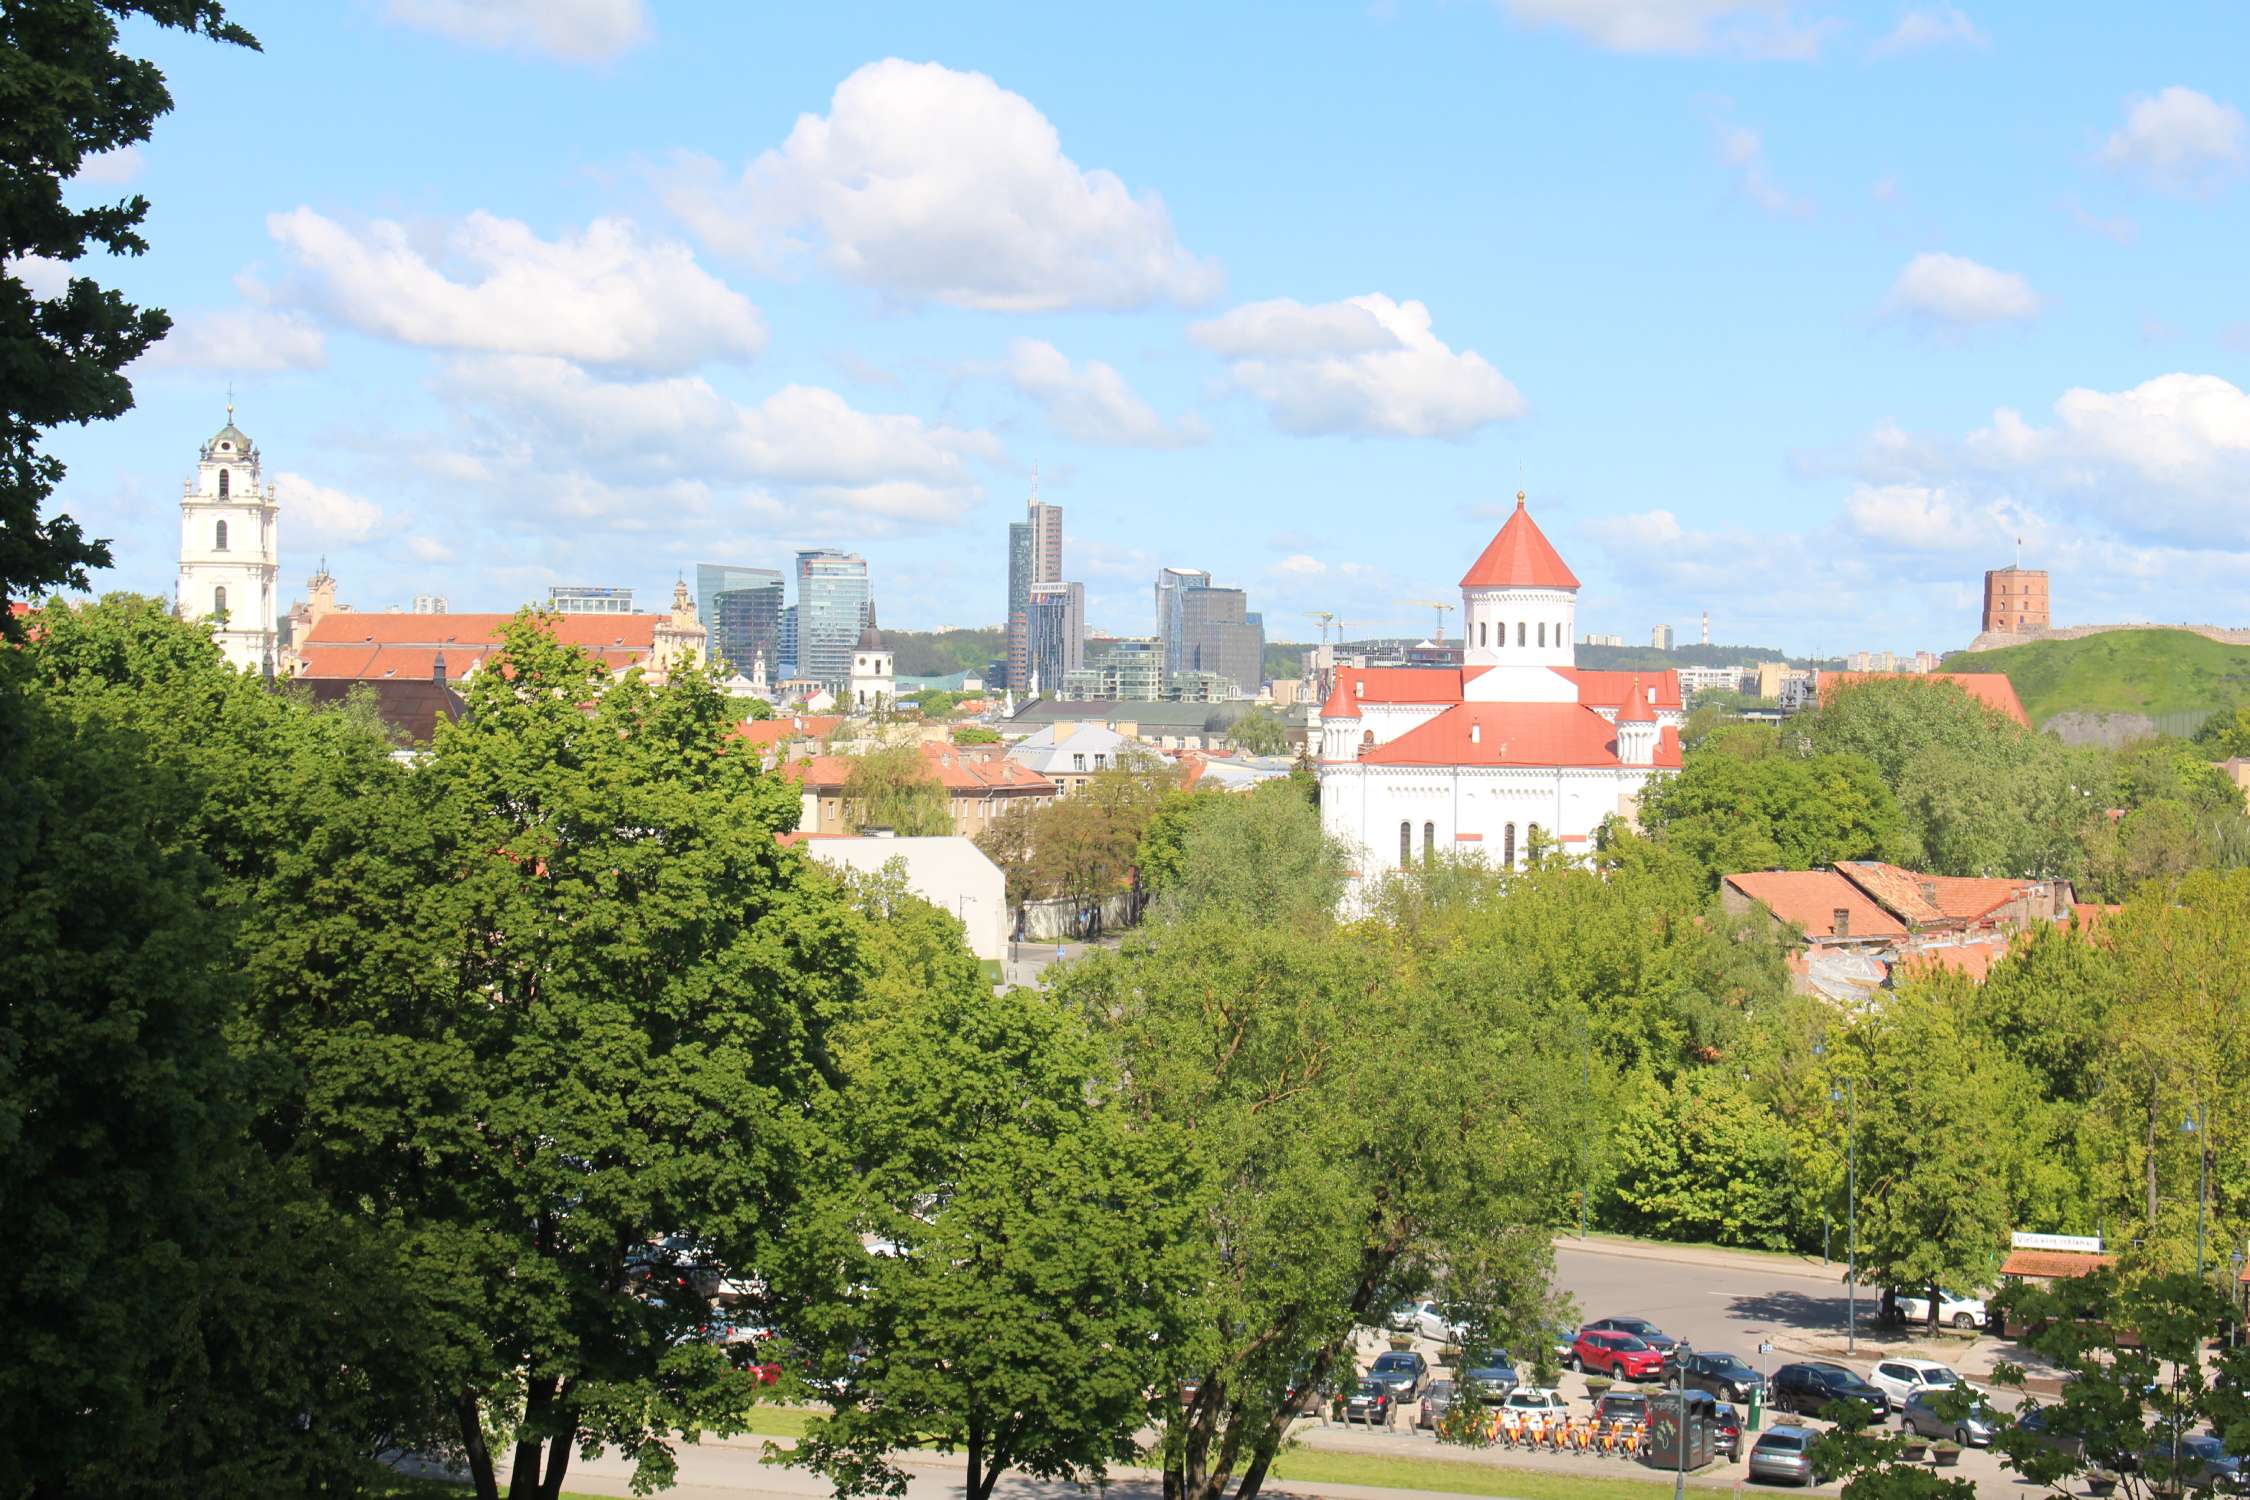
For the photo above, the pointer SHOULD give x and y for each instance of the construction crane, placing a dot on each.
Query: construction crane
(1442, 608)
(1323, 616)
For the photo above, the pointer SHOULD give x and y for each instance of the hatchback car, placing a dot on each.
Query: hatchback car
(1403, 1371)
(1806, 1388)
(1622, 1356)
(1723, 1375)
(1954, 1308)
(1373, 1403)
(1783, 1455)
(1623, 1406)
(1527, 1400)
(1972, 1429)
(1904, 1379)
(1436, 1402)
(1727, 1432)
(2039, 1422)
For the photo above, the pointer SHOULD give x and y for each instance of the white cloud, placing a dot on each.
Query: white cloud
(1743, 151)
(572, 30)
(111, 168)
(607, 296)
(935, 185)
(1952, 289)
(43, 276)
(1745, 28)
(326, 514)
(874, 464)
(1931, 26)
(428, 549)
(240, 340)
(1092, 403)
(2179, 140)
(2121, 228)
(1641, 529)
(1367, 366)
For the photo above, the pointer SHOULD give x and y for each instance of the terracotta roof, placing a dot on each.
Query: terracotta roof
(961, 774)
(1519, 557)
(1811, 899)
(2091, 915)
(1927, 899)
(1973, 959)
(1512, 734)
(1992, 689)
(1610, 689)
(378, 644)
(2051, 1264)
(782, 727)
(408, 707)
(1635, 708)
(1339, 704)
(1398, 684)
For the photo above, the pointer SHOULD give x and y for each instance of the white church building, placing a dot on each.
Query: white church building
(230, 551)
(1421, 762)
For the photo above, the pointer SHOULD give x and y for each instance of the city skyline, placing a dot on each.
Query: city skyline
(1754, 337)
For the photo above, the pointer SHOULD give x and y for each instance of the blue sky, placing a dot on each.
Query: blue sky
(1798, 313)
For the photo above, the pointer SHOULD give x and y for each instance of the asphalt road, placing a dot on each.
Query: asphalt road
(1729, 1305)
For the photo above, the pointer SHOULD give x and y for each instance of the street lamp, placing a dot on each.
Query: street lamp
(1849, 1095)
(1680, 1433)
(2193, 1125)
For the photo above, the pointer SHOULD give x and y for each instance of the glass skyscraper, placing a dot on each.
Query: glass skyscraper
(741, 608)
(832, 595)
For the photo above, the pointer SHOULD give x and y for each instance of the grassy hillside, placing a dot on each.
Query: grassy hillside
(2152, 672)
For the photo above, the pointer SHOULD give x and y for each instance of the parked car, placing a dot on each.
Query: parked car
(1403, 1371)
(1806, 1388)
(2039, 1422)
(1953, 1308)
(1723, 1375)
(2202, 1462)
(1494, 1375)
(1973, 1429)
(1640, 1328)
(1783, 1455)
(1302, 1394)
(1539, 1401)
(1436, 1402)
(1400, 1319)
(1429, 1320)
(1373, 1403)
(1622, 1406)
(1622, 1356)
(1729, 1431)
(1904, 1379)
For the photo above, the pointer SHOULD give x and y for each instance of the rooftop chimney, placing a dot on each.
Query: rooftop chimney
(437, 669)
(1929, 891)
(1840, 920)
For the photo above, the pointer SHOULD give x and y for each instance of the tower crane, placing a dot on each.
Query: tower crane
(1443, 609)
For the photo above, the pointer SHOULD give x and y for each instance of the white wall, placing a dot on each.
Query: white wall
(949, 872)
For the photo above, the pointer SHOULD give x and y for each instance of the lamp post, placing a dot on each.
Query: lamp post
(2193, 1125)
(1851, 1210)
(1585, 1165)
(1680, 1430)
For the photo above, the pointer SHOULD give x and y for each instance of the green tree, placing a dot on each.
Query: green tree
(1034, 1246)
(1163, 842)
(582, 1042)
(893, 787)
(1731, 813)
(1010, 842)
(1705, 1161)
(2226, 733)
(1256, 857)
(937, 703)
(975, 734)
(1260, 732)
(71, 94)
(754, 708)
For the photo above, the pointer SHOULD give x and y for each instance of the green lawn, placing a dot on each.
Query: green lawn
(2151, 672)
(1377, 1470)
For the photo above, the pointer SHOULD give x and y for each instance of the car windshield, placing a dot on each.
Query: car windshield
(1627, 1341)
(1441, 1387)
(1395, 1362)
(1373, 1388)
(1633, 1325)
(1726, 1364)
(1782, 1442)
(1939, 1375)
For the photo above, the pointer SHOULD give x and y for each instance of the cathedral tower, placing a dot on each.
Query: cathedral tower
(230, 552)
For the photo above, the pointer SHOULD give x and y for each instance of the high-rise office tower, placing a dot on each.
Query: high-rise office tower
(1219, 635)
(1173, 585)
(832, 595)
(1056, 634)
(1034, 558)
(741, 607)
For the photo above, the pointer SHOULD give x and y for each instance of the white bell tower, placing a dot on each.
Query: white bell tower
(230, 552)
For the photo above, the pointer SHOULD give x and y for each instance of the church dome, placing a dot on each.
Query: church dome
(229, 441)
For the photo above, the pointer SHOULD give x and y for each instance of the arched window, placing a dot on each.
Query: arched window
(1508, 847)
(1429, 842)
(1484, 634)
(219, 537)
(1519, 632)
(222, 484)
(1530, 841)
(219, 602)
(1542, 632)
(1405, 845)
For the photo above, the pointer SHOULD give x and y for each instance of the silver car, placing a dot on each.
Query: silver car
(1972, 1430)
(1783, 1455)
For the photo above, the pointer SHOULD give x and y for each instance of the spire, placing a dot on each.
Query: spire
(1520, 557)
(1635, 709)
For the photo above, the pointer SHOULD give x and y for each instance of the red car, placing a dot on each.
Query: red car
(1621, 1356)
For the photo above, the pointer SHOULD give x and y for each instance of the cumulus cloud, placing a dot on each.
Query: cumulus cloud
(1743, 28)
(1933, 26)
(43, 276)
(580, 31)
(1367, 366)
(1953, 289)
(1743, 151)
(323, 513)
(428, 549)
(1091, 402)
(627, 432)
(607, 296)
(241, 340)
(930, 184)
(111, 168)
(2179, 140)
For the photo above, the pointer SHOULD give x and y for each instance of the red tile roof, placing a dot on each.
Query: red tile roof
(1811, 899)
(1610, 689)
(377, 644)
(1973, 959)
(1926, 899)
(1340, 704)
(1398, 684)
(1512, 734)
(1519, 557)
(1992, 689)
(2051, 1264)
(783, 727)
(959, 773)
(1635, 708)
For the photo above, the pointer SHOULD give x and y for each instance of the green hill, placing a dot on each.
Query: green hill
(2173, 676)
(941, 653)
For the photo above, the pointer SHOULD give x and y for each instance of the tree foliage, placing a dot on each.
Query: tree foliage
(893, 787)
(1260, 732)
(1730, 812)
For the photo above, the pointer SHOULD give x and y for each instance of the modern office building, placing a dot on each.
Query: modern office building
(832, 595)
(1118, 667)
(1218, 635)
(1034, 560)
(742, 609)
(1056, 634)
(583, 599)
(1172, 586)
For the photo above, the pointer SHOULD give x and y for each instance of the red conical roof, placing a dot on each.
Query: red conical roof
(1635, 709)
(1520, 557)
(1340, 704)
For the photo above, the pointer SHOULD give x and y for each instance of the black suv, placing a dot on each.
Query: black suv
(1723, 1375)
(1808, 1388)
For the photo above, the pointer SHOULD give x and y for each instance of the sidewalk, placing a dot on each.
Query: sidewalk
(1749, 1262)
